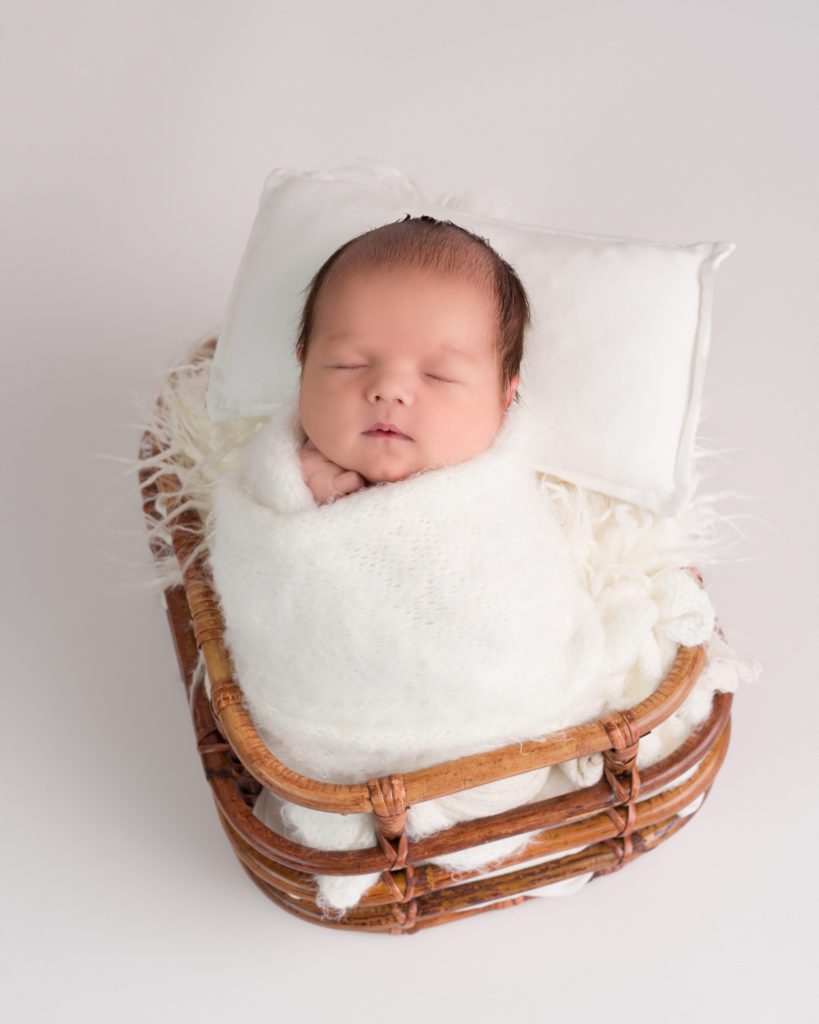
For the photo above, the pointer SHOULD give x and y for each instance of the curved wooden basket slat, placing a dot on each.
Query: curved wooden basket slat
(617, 819)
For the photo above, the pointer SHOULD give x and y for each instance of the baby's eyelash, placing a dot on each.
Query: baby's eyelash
(358, 366)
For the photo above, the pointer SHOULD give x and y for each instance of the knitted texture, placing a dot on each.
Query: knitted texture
(414, 622)
(363, 629)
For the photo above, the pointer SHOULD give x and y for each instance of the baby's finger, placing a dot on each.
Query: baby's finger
(348, 481)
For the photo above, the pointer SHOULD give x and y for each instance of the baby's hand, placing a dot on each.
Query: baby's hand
(325, 479)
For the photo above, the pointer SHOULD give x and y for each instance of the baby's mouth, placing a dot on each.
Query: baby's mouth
(387, 433)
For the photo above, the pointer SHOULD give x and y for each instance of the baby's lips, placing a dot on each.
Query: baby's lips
(393, 432)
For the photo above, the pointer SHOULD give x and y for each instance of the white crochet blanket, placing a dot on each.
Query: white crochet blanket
(413, 622)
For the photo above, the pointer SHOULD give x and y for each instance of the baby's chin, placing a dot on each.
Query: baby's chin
(398, 460)
(383, 474)
(387, 476)
(385, 470)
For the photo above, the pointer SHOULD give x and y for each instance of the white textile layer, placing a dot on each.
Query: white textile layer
(411, 623)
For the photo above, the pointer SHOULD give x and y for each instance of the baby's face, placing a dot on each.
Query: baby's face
(410, 348)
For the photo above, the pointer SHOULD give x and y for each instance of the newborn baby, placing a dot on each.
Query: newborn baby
(396, 590)
(409, 350)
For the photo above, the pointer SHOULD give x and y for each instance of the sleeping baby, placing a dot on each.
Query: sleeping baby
(396, 590)
(410, 342)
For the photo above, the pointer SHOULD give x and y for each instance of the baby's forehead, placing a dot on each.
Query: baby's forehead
(425, 311)
(413, 293)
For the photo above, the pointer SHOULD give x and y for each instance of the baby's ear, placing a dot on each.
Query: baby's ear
(510, 391)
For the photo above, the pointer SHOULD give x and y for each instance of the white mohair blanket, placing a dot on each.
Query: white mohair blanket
(414, 622)
(406, 623)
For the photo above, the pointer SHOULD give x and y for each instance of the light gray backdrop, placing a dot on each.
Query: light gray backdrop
(136, 138)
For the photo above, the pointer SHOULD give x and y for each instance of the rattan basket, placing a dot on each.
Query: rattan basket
(617, 819)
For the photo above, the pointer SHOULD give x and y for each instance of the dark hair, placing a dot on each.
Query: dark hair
(439, 245)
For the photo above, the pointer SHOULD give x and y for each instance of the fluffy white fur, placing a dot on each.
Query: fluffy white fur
(628, 559)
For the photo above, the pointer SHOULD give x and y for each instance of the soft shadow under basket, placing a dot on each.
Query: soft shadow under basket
(617, 819)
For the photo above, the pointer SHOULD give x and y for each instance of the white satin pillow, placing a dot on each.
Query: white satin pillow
(615, 357)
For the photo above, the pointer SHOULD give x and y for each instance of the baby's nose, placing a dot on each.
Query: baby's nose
(391, 387)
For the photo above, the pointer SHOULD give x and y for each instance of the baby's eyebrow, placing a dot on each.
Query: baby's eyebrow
(449, 347)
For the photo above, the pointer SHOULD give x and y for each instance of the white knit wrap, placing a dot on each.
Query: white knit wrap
(413, 622)
(404, 624)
